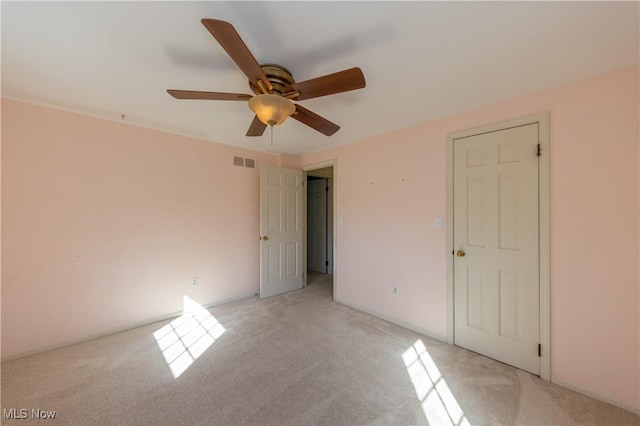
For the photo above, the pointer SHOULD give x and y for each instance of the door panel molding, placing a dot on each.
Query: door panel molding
(542, 119)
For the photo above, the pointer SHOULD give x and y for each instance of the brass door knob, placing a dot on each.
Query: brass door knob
(265, 238)
(461, 253)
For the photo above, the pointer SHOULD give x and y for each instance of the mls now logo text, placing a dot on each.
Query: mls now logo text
(23, 413)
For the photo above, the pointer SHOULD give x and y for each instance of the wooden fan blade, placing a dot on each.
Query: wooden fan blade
(231, 42)
(212, 96)
(315, 121)
(257, 127)
(341, 81)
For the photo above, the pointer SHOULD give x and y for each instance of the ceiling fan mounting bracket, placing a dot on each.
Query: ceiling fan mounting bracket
(279, 77)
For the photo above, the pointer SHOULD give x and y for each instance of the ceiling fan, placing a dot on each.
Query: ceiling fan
(274, 86)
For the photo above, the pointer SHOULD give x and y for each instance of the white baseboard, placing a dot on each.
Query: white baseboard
(558, 381)
(554, 379)
(396, 321)
(119, 330)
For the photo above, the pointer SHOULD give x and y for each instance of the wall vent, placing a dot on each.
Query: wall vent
(244, 162)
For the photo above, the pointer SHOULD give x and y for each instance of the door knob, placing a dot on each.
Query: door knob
(265, 238)
(461, 253)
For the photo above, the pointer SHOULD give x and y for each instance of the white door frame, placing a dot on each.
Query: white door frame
(329, 163)
(542, 119)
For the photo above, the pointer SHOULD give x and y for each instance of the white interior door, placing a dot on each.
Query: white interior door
(280, 230)
(317, 225)
(496, 240)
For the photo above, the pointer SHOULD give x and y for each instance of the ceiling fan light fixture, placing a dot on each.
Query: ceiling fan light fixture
(271, 109)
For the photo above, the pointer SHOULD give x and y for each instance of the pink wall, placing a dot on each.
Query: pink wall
(390, 188)
(104, 224)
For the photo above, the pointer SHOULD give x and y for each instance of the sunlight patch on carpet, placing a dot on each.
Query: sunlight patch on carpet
(187, 337)
(438, 403)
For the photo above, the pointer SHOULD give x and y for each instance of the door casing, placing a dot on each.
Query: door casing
(542, 119)
(334, 203)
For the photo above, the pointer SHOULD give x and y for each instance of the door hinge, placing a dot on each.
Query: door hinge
(539, 150)
(539, 349)
(326, 262)
(327, 189)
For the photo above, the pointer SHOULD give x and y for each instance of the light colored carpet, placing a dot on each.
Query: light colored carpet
(298, 358)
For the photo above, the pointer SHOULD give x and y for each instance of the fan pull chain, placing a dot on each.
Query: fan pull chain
(271, 134)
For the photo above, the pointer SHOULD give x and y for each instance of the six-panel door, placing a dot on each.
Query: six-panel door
(281, 230)
(496, 280)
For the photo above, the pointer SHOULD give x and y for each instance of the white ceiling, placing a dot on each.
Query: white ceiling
(421, 60)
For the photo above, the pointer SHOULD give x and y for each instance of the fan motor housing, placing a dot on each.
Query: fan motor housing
(279, 77)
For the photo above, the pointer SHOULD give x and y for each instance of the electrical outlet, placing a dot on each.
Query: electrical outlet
(194, 281)
(395, 290)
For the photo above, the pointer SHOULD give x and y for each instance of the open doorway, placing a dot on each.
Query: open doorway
(319, 234)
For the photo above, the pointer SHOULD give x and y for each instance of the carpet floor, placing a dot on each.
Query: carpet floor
(294, 359)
